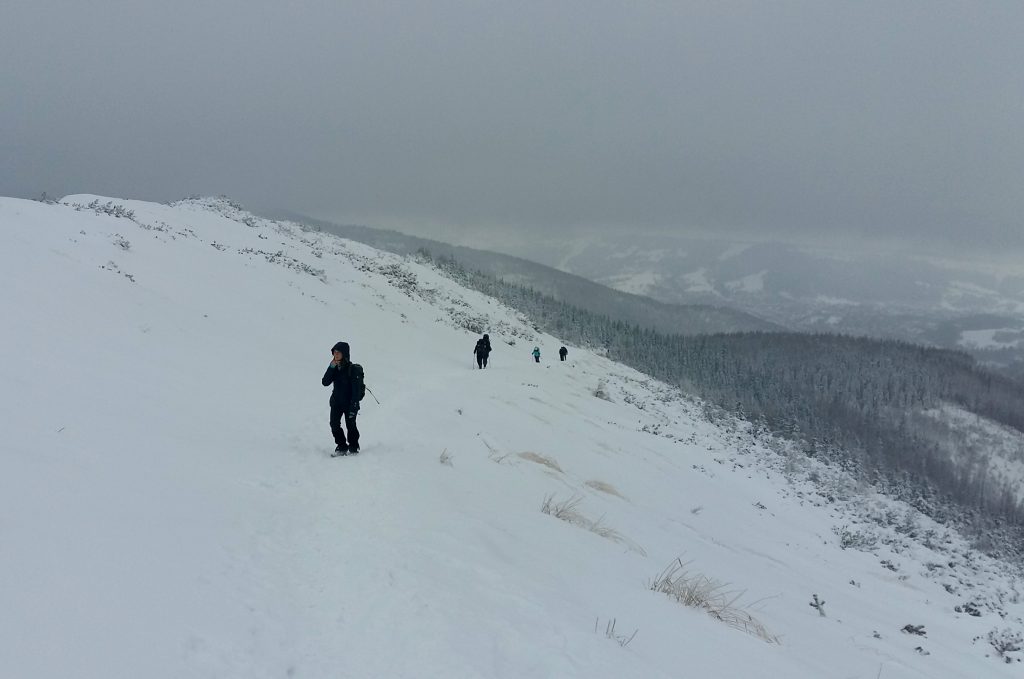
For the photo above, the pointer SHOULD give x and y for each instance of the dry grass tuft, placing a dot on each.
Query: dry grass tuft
(700, 591)
(605, 488)
(566, 511)
(611, 633)
(541, 459)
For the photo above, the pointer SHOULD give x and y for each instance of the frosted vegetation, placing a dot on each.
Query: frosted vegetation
(859, 403)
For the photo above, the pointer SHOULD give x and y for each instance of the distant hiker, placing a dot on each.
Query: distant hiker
(349, 389)
(536, 354)
(481, 351)
(562, 353)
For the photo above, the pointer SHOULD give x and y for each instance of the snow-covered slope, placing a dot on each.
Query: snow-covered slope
(168, 507)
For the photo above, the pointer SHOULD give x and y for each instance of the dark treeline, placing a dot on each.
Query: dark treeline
(850, 400)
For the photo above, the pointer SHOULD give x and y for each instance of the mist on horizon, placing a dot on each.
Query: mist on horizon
(888, 126)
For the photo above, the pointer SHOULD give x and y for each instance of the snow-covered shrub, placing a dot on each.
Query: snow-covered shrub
(855, 539)
(109, 208)
(399, 277)
(283, 260)
(475, 323)
(1006, 641)
(969, 608)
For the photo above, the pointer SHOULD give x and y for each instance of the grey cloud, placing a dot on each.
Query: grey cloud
(791, 120)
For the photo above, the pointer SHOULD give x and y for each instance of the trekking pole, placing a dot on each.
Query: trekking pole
(371, 394)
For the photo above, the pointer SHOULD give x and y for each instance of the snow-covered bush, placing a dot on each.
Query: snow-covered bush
(1006, 641)
(855, 539)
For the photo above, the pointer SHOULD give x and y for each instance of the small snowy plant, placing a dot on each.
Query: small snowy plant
(609, 631)
(818, 604)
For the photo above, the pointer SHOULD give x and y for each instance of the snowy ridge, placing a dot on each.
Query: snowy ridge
(169, 508)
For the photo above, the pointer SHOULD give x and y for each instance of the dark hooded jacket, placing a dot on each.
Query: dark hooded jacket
(341, 377)
(483, 346)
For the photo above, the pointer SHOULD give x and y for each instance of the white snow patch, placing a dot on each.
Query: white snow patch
(983, 445)
(734, 251)
(835, 301)
(697, 281)
(638, 283)
(752, 283)
(985, 339)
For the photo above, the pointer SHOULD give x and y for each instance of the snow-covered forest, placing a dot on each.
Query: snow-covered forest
(855, 401)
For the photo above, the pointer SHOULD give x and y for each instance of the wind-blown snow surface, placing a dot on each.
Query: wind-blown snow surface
(168, 507)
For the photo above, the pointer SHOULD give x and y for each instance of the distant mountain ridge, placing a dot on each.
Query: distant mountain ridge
(955, 305)
(685, 319)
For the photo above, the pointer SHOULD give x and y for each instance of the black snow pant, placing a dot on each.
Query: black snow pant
(350, 424)
(536, 359)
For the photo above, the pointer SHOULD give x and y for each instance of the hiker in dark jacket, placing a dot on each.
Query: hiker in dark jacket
(562, 353)
(339, 373)
(482, 350)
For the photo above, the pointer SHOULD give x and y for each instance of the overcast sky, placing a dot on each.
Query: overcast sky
(816, 120)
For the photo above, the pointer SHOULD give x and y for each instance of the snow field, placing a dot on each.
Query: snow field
(168, 507)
